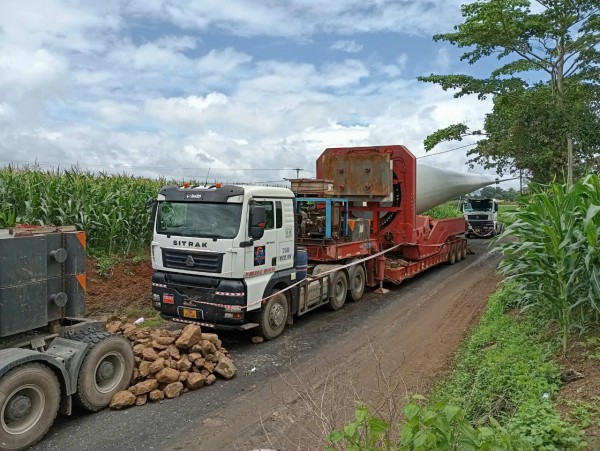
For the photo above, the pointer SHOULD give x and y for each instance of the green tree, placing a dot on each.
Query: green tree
(493, 192)
(546, 95)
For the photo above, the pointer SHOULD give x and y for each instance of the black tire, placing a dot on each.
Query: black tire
(464, 249)
(273, 316)
(29, 401)
(357, 283)
(452, 254)
(339, 290)
(106, 369)
(458, 251)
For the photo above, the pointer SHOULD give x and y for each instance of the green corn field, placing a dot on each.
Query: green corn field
(111, 209)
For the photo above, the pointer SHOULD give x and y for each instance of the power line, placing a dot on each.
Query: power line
(446, 151)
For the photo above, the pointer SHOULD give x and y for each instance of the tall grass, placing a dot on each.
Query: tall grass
(109, 208)
(555, 259)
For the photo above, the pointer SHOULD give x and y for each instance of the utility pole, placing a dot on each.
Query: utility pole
(298, 172)
(521, 181)
(569, 160)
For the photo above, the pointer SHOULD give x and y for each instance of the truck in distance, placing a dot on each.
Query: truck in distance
(482, 217)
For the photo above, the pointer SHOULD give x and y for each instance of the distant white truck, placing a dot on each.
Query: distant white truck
(482, 217)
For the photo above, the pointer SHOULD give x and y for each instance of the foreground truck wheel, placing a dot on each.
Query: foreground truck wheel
(452, 254)
(339, 290)
(106, 369)
(273, 316)
(29, 401)
(357, 283)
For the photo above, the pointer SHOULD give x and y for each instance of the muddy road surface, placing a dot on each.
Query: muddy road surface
(289, 393)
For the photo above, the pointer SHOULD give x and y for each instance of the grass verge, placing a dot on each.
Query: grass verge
(500, 395)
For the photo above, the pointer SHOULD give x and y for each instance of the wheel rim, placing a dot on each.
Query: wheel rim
(358, 282)
(339, 290)
(23, 409)
(109, 372)
(276, 315)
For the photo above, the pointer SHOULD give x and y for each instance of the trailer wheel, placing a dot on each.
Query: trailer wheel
(357, 283)
(273, 316)
(452, 254)
(106, 369)
(464, 249)
(458, 251)
(29, 401)
(339, 290)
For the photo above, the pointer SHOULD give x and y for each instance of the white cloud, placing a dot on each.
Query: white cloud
(190, 109)
(347, 45)
(302, 18)
(394, 70)
(442, 62)
(222, 61)
(103, 84)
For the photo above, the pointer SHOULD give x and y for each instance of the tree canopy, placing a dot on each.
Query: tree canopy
(546, 93)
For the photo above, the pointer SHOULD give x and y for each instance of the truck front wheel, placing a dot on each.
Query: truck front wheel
(106, 369)
(273, 316)
(29, 401)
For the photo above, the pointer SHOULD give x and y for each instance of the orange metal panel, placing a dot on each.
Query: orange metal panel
(82, 279)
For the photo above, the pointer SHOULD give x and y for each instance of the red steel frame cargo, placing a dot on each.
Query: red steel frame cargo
(416, 242)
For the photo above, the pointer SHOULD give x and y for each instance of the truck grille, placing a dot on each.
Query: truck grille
(193, 261)
(479, 217)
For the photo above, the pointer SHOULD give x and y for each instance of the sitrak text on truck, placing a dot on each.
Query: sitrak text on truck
(240, 257)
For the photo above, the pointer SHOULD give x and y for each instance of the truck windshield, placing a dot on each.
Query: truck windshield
(202, 220)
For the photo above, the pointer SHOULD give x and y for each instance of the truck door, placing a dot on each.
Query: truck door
(261, 257)
(284, 225)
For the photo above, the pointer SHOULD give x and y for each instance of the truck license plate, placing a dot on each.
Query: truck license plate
(190, 313)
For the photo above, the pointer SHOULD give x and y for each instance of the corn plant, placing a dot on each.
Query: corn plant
(109, 208)
(448, 209)
(555, 258)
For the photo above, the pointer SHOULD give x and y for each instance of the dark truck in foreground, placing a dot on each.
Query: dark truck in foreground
(50, 356)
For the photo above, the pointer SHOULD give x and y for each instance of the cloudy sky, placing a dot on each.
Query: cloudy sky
(248, 88)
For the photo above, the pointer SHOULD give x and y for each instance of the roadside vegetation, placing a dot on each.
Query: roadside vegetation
(507, 378)
(110, 208)
(446, 210)
(555, 260)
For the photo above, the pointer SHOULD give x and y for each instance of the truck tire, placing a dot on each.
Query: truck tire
(464, 249)
(106, 369)
(273, 316)
(29, 401)
(357, 283)
(339, 290)
(452, 254)
(458, 251)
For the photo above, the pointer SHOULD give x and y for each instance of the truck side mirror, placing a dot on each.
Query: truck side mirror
(496, 206)
(259, 219)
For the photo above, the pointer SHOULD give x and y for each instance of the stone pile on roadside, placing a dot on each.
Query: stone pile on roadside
(169, 363)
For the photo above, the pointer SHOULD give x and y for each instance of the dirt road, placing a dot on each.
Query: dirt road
(291, 392)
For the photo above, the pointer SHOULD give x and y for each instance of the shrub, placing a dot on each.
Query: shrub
(446, 210)
(555, 260)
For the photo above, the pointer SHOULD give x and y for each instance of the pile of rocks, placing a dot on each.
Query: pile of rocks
(169, 363)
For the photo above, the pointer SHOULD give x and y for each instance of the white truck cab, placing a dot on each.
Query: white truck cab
(482, 217)
(218, 251)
